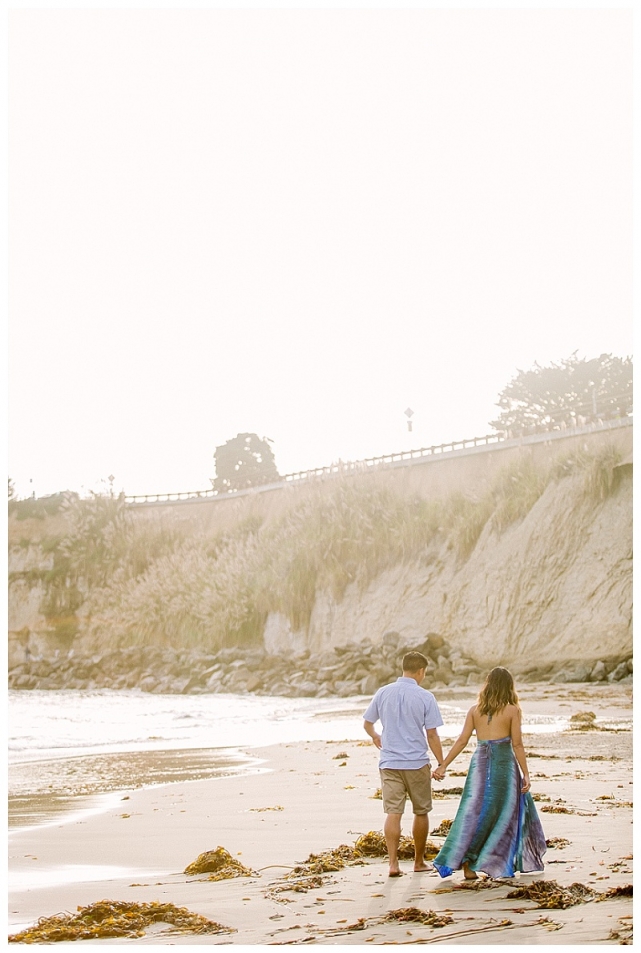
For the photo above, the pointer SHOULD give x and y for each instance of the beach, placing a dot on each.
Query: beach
(303, 797)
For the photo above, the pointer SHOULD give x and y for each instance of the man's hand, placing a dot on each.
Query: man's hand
(376, 738)
(439, 773)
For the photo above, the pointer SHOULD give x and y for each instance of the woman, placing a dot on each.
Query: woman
(496, 829)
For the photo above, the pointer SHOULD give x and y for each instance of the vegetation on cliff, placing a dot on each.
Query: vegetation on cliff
(118, 580)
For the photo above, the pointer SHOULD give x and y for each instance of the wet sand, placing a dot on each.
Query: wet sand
(311, 797)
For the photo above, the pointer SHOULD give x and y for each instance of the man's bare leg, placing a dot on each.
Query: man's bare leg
(392, 831)
(419, 832)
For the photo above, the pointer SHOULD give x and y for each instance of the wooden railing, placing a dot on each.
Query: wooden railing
(403, 457)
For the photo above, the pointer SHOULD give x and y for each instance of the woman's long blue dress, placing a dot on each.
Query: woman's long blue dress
(497, 828)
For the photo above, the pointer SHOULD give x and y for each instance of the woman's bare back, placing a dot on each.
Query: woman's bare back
(498, 725)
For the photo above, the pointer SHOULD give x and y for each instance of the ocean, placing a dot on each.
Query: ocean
(68, 750)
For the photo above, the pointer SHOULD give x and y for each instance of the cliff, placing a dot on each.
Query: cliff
(555, 587)
(530, 568)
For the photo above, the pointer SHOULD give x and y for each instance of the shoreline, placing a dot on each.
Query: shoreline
(313, 796)
(77, 782)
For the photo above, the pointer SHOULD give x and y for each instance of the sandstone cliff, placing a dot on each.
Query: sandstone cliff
(556, 586)
(529, 577)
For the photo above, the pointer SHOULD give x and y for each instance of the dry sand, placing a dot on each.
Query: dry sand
(315, 796)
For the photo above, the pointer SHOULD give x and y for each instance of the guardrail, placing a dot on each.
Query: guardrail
(423, 454)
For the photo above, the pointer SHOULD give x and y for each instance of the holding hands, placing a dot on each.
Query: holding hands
(439, 773)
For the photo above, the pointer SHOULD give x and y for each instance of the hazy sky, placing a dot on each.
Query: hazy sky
(300, 222)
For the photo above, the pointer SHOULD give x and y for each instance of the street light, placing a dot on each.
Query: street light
(409, 413)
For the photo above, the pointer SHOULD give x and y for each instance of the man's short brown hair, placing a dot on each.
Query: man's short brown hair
(413, 661)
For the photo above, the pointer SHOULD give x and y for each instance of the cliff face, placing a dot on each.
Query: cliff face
(545, 582)
(556, 586)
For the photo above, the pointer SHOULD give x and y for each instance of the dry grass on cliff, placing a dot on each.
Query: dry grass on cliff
(211, 591)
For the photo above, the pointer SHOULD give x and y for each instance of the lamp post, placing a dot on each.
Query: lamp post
(409, 413)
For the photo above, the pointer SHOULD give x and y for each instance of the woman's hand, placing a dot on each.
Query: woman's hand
(525, 784)
(439, 773)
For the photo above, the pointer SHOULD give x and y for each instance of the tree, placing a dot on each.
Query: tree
(566, 394)
(244, 461)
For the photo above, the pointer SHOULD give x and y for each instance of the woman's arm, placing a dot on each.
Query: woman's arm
(457, 747)
(519, 749)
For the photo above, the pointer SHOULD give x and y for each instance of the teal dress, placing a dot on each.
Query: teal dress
(497, 828)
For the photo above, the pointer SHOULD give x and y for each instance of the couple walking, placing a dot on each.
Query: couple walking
(496, 829)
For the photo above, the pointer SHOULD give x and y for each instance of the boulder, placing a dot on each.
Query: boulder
(574, 672)
(369, 684)
(254, 682)
(390, 640)
(619, 672)
(598, 673)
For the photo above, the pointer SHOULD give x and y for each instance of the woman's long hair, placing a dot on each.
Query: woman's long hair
(497, 692)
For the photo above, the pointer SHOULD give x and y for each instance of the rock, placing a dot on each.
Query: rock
(619, 672)
(254, 682)
(178, 685)
(369, 684)
(629, 664)
(306, 688)
(575, 672)
(433, 643)
(598, 673)
(390, 640)
(442, 674)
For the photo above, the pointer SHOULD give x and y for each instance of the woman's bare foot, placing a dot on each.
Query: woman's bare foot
(469, 874)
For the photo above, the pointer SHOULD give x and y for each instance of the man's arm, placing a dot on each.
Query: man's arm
(371, 731)
(434, 742)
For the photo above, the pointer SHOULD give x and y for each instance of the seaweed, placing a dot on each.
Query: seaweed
(373, 844)
(556, 842)
(297, 884)
(415, 915)
(220, 865)
(446, 792)
(583, 717)
(405, 915)
(115, 918)
(614, 892)
(552, 896)
(328, 861)
(443, 829)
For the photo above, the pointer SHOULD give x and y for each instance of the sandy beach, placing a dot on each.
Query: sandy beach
(312, 797)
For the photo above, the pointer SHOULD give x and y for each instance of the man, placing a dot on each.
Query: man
(410, 718)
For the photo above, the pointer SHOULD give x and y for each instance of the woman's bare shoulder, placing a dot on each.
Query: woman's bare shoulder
(512, 710)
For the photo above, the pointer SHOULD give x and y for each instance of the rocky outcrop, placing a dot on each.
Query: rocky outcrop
(354, 669)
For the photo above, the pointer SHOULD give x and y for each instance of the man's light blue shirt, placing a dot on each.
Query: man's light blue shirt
(405, 710)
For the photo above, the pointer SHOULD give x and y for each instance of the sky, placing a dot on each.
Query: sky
(299, 223)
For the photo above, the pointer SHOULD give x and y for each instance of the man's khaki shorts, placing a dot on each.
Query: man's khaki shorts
(399, 785)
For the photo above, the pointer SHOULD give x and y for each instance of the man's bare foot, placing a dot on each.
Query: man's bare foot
(469, 874)
(418, 868)
(395, 872)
